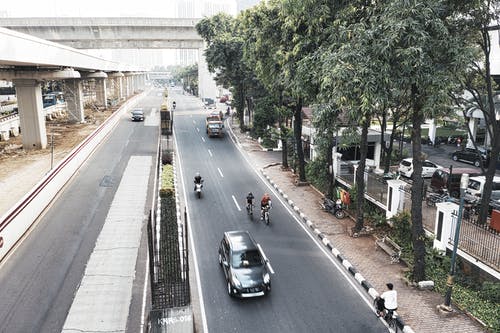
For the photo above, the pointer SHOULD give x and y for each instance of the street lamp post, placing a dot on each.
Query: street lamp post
(464, 181)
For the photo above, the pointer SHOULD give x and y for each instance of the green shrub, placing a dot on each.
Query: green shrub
(167, 180)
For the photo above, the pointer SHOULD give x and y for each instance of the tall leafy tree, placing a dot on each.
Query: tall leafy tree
(482, 18)
(416, 39)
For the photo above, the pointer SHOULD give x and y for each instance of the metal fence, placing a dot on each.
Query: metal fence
(170, 267)
(478, 240)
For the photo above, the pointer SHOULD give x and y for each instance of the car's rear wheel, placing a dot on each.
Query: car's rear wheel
(477, 163)
(454, 157)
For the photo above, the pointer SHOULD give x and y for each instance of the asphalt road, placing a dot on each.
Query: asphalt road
(309, 293)
(39, 279)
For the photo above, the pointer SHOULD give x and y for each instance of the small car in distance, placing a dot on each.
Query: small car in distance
(244, 264)
(137, 115)
(428, 168)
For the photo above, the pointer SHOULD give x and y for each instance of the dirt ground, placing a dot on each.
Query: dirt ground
(21, 169)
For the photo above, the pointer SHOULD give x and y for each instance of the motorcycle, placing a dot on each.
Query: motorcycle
(197, 188)
(265, 213)
(333, 207)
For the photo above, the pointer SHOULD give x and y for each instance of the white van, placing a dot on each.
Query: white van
(476, 185)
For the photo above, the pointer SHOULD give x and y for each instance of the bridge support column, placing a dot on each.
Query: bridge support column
(126, 86)
(101, 92)
(121, 88)
(29, 100)
(206, 86)
(73, 93)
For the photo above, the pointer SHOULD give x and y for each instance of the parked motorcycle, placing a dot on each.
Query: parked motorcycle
(197, 188)
(334, 207)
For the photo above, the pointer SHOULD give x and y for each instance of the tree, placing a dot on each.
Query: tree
(423, 51)
(478, 82)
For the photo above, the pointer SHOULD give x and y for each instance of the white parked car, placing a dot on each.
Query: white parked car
(428, 168)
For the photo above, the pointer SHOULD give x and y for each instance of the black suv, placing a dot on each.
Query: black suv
(473, 156)
(244, 264)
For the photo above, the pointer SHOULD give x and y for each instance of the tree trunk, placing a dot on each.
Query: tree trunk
(417, 230)
(297, 131)
(360, 176)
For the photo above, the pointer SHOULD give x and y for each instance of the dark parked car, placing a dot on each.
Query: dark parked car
(137, 115)
(244, 264)
(471, 155)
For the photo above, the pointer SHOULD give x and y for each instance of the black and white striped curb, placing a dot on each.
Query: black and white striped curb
(344, 262)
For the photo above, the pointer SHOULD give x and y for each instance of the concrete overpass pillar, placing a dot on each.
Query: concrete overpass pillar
(206, 84)
(101, 92)
(29, 101)
(73, 94)
(126, 86)
(100, 86)
(121, 88)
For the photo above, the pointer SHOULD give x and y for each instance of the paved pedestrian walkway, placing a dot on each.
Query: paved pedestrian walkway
(417, 308)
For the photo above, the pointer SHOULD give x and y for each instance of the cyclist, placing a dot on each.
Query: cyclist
(250, 198)
(388, 301)
(264, 202)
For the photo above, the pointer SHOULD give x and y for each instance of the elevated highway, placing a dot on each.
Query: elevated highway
(111, 32)
(121, 33)
(28, 61)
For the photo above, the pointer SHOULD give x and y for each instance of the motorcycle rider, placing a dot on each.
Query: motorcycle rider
(250, 198)
(197, 180)
(264, 202)
(174, 105)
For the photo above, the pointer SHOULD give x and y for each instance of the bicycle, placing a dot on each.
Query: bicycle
(250, 207)
(388, 315)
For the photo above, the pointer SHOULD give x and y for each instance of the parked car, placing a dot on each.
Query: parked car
(441, 180)
(428, 168)
(471, 155)
(138, 115)
(244, 264)
(476, 185)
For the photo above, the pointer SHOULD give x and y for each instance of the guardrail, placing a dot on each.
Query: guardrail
(17, 220)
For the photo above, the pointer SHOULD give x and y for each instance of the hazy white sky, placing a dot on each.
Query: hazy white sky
(94, 8)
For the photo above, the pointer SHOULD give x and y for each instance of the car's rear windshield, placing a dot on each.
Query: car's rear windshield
(406, 163)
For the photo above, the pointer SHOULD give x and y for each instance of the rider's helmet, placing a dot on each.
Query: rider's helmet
(250, 194)
(197, 174)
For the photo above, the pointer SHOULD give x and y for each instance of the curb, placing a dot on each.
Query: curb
(344, 262)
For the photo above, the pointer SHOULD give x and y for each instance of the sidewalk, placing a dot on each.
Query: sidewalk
(417, 308)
